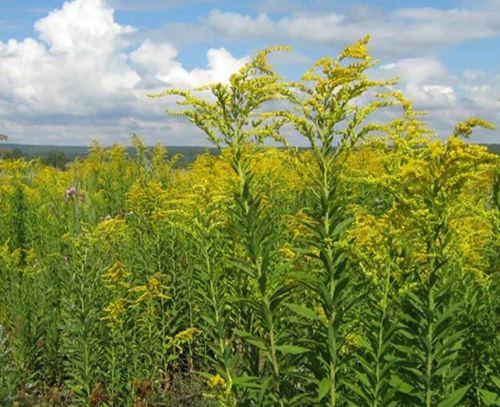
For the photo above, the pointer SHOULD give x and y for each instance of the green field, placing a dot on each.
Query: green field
(361, 270)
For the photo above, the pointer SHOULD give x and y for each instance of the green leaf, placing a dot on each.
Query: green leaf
(454, 397)
(402, 386)
(489, 398)
(302, 311)
(291, 349)
(171, 358)
(359, 391)
(363, 378)
(323, 388)
(252, 340)
(246, 381)
(342, 226)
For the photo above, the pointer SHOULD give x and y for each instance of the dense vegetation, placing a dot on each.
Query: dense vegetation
(362, 271)
(59, 156)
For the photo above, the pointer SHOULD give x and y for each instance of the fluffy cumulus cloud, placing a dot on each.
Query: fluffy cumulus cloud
(423, 80)
(447, 98)
(159, 60)
(83, 77)
(77, 66)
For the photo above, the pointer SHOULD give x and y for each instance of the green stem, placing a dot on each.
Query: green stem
(429, 348)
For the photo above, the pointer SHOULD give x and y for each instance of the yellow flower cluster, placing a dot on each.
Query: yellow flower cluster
(116, 277)
(217, 382)
(152, 290)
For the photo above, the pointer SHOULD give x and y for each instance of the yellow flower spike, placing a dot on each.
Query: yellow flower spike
(116, 276)
(186, 335)
(152, 290)
(115, 312)
(112, 228)
(358, 50)
(217, 382)
(255, 83)
(465, 128)
(320, 312)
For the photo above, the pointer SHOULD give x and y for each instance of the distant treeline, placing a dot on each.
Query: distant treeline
(59, 156)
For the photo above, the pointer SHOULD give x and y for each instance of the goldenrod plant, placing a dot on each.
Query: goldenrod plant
(325, 113)
(233, 120)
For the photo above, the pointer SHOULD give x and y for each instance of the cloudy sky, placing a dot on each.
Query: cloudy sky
(80, 70)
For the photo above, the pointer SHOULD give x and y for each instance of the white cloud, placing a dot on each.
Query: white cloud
(312, 28)
(439, 95)
(78, 66)
(401, 31)
(472, 75)
(485, 97)
(221, 64)
(239, 25)
(81, 69)
(447, 98)
(422, 81)
(82, 26)
(417, 70)
(159, 60)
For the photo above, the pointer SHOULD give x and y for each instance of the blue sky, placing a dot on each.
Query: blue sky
(75, 71)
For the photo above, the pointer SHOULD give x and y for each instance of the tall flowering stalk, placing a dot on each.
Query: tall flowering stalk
(231, 116)
(430, 180)
(380, 249)
(326, 112)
